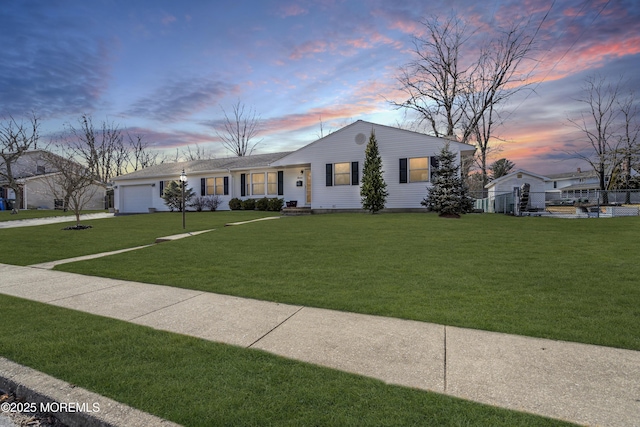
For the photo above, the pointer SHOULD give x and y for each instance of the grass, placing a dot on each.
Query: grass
(574, 280)
(199, 383)
(37, 213)
(32, 245)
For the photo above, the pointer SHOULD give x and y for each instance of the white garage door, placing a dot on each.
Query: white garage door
(136, 198)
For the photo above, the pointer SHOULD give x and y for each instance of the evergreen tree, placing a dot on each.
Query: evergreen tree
(172, 196)
(448, 194)
(373, 190)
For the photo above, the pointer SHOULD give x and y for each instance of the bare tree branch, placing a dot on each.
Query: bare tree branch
(140, 156)
(599, 125)
(16, 138)
(72, 183)
(239, 131)
(102, 150)
(457, 90)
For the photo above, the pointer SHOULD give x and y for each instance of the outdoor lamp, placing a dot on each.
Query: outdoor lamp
(183, 182)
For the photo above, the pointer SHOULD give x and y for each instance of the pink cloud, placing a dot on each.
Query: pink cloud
(309, 48)
(292, 10)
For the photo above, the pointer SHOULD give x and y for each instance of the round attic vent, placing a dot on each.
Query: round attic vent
(360, 138)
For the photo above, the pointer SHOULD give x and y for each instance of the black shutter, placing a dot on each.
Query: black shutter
(354, 173)
(243, 184)
(203, 187)
(435, 164)
(329, 178)
(403, 171)
(161, 188)
(226, 185)
(280, 183)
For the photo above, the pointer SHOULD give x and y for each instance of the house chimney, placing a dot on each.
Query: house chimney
(579, 170)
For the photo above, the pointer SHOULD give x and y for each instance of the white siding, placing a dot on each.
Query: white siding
(341, 146)
(509, 182)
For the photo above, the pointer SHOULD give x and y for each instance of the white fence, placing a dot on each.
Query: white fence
(594, 203)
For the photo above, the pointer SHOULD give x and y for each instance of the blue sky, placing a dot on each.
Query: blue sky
(165, 68)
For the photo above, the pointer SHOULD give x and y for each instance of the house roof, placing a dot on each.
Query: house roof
(518, 171)
(199, 166)
(572, 175)
(464, 148)
(587, 186)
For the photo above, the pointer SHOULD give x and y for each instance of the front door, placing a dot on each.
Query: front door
(307, 173)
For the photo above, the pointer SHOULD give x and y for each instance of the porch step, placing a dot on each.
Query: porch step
(296, 211)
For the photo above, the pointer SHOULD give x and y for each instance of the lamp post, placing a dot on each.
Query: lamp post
(183, 182)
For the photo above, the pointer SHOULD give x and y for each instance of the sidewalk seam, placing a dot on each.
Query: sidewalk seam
(166, 306)
(274, 328)
(84, 293)
(445, 359)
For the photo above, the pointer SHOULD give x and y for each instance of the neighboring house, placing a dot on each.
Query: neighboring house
(36, 176)
(503, 188)
(573, 185)
(324, 175)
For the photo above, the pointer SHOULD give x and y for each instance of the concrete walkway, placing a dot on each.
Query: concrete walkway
(30, 222)
(585, 384)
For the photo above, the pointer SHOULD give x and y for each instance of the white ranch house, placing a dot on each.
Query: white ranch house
(324, 175)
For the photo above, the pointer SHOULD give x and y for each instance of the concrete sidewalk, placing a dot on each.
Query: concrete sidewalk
(585, 384)
(30, 222)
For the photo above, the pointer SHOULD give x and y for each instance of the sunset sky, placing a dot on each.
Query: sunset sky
(164, 69)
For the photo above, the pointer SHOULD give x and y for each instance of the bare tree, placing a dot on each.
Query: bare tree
(140, 156)
(102, 150)
(16, 138)
(599, 124)
(197, 153)
(630, 138)
(455, 86)
(434, 81)
(496, 78)
(73, 183)
(239, 131)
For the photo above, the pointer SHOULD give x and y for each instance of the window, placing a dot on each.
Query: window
(220, 186)
(217, 186)
(419, 169)
(342, 173)
(257, 183)
(272, 182)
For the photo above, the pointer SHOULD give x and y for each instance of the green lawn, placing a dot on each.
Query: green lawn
(32, 245)
(199, 383)
(574, 280)
(37, 213)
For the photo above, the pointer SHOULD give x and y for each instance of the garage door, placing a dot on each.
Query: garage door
(135, 198)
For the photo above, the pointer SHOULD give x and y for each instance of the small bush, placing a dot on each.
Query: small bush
(249, 204)
(262, 204)
(212, 203)
(276, 204)
(235, 204)
(198, 203)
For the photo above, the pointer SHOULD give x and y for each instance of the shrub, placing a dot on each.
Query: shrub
(235, 204)
(276, 204)
(249, 204)
(198, 203)
(262, 204)
(212, 202)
